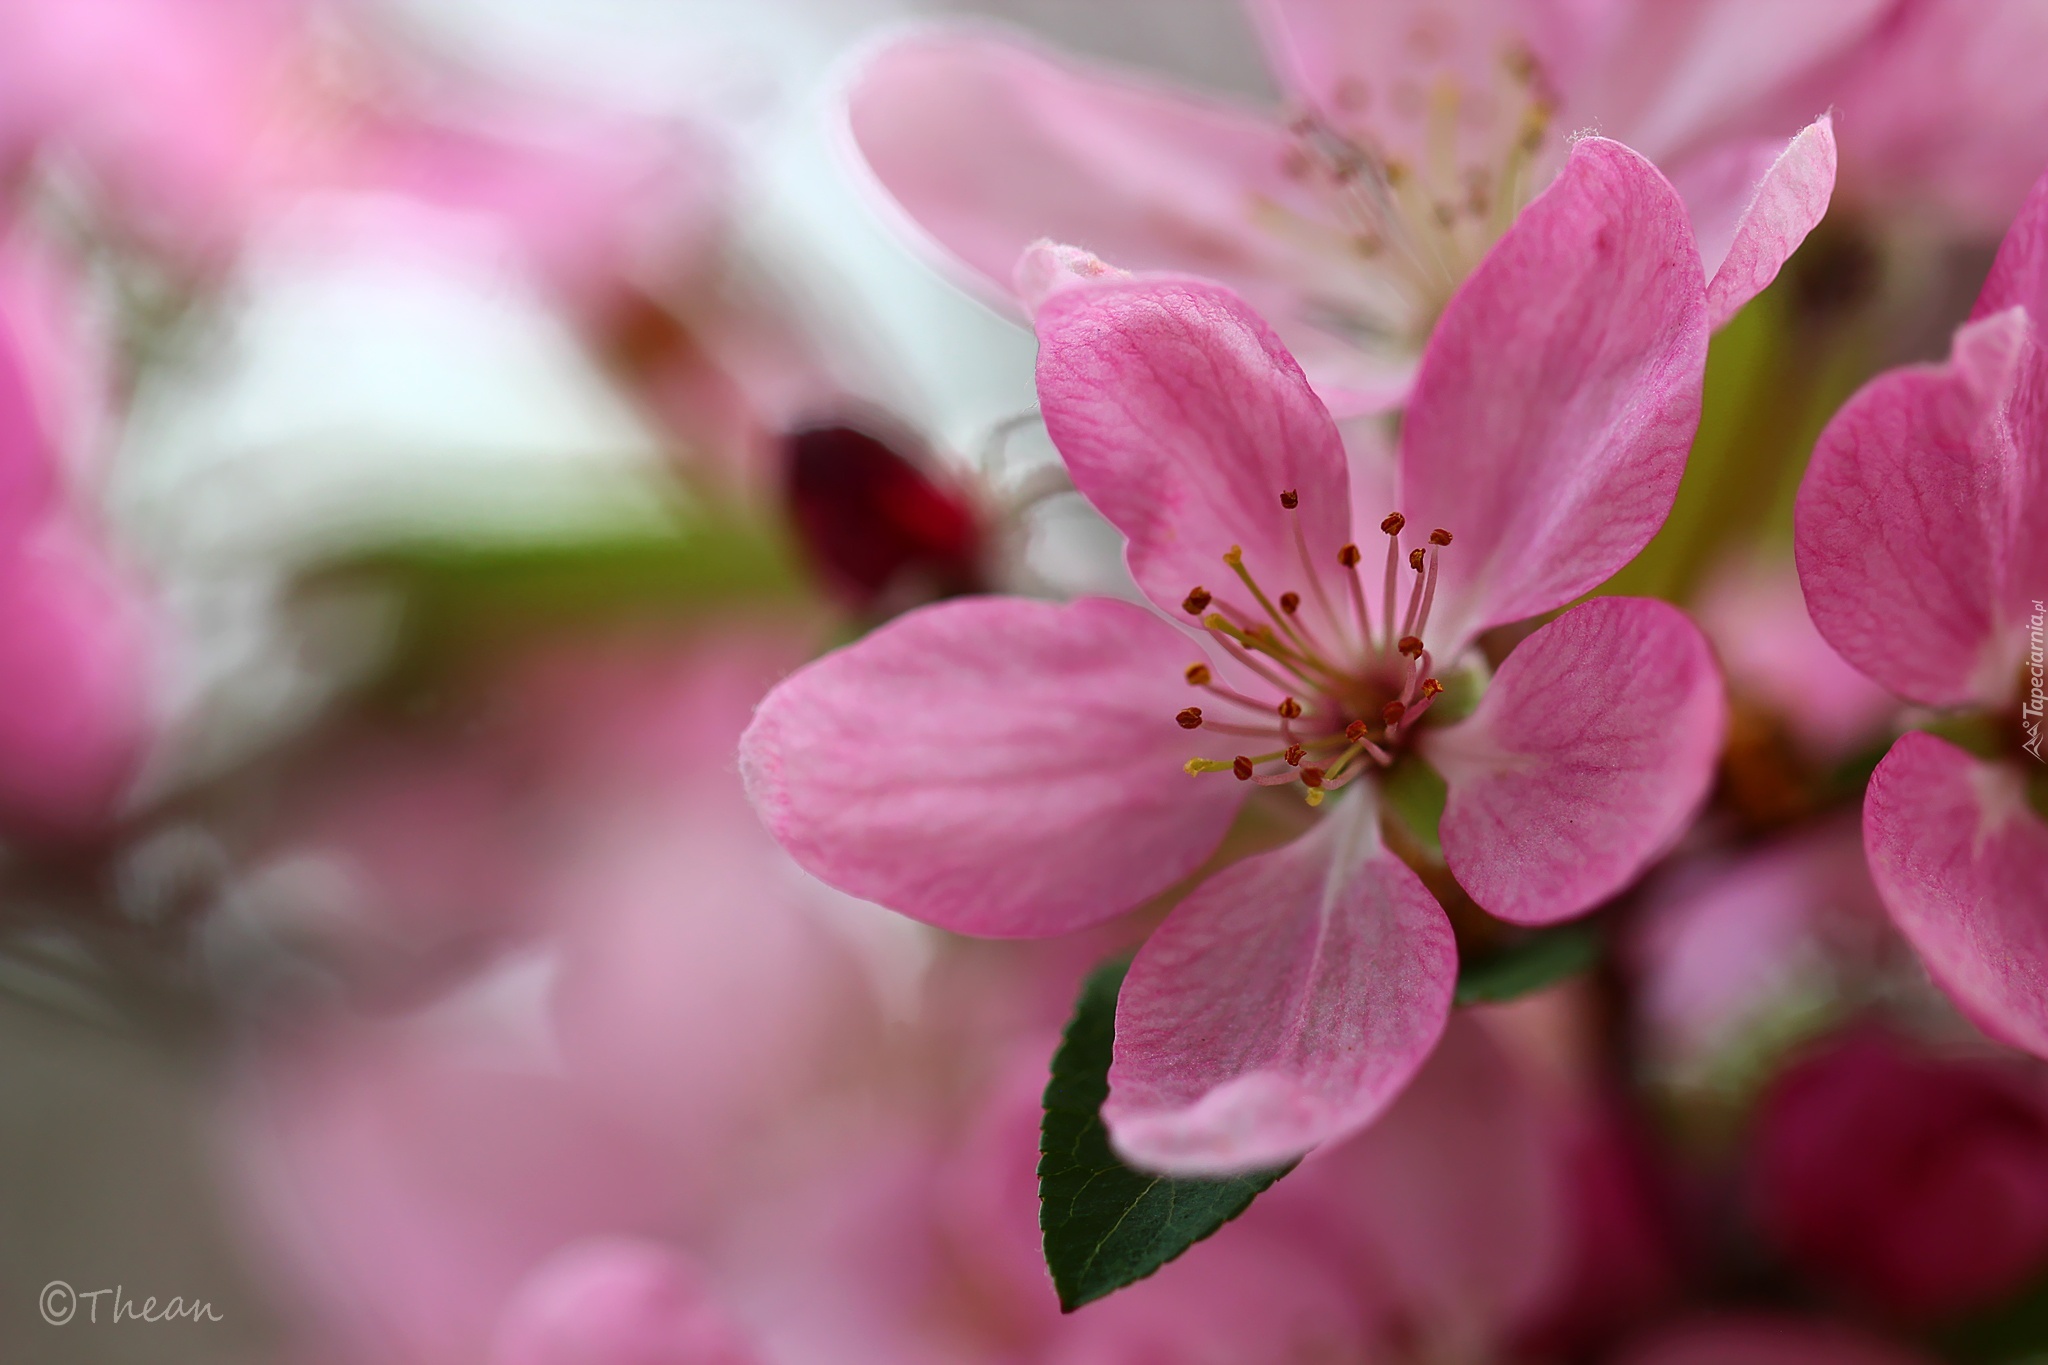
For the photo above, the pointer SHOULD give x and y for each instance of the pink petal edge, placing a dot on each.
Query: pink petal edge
(1587, 757)
(1787, 204)
(1282, 1005)
(993, 765)
(1958, 859)
(1558, 397)
(1182, 417)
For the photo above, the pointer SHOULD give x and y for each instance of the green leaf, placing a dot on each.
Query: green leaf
(1415, 793)
(1105, 1224)
(1544, 958)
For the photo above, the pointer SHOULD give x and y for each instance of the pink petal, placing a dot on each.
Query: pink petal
(1787, 203)
(1048, 267)
(1922, 522)
(1769, 1341)
(616, 1301)
(1183, 419)
(1587, 757)
(1284, 1004)
(2019, 273)
(1672, 75)
(1558, 396)
(1373, 68)
(992, 765)
(1450, 1208)
(27, 465)
(1958, 859)
(75, 706)
(1947, 110)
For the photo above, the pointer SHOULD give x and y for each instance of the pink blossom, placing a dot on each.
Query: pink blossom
(1015, 769)
(1761, 1340)
(1726, 955)
(75, 703)
(1914, 1181)
(617, 1301)
(1417, 134)
(661, 1045)
(1922, 538)
(1776, 660)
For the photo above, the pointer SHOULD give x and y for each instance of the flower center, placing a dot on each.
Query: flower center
(1352, 690)
(1418, 225)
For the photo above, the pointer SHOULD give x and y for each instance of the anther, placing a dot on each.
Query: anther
(1355, 731)
(1290, 708)
(1392, 712)
(1198, 675)
(1415, 559)
(1430, 687)
(1290, 602)
(1411, 646)
(1349, 556)
(1393, 524)
(1312, 777)
(1197, 602)
(1290, 499)
(1439, 536)
(1295, 753)
(1190, 719)
(1241, 767)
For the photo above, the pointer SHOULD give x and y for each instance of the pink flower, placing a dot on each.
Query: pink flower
(1922, 538)
(75, 705)
(617, 1301)
(1728, 956)
(1014, 768)
(1418, 135)
(1916, 1182)
(1759, 1340)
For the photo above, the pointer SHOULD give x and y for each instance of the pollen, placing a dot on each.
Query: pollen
(1290, 708)
(1241, 767)
(1290, 499)
(1198, 675)
(1393, 523)
(1349, 556)
(1430, 687)
(1392, 712)
(1290, 602)
(1197, 601)
(1411, 646)
(1439, 536)
(1415, 559)
(1295, 753)
(1355, 731)
(1312, 777)
(1190, 719)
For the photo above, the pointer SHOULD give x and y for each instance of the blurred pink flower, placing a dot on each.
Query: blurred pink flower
(1760, 1340)
(1419, 134)
(1010, 768)
(617, 1301)
(166, 105)
(1941, 116)
(1915, 1182)
(1774, 658)
(75, 648)
(1726, 954)
(669, 1036)
(1922, 540)
(1423, 1238)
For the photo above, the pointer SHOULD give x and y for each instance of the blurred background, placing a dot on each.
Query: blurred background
(428, 426)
